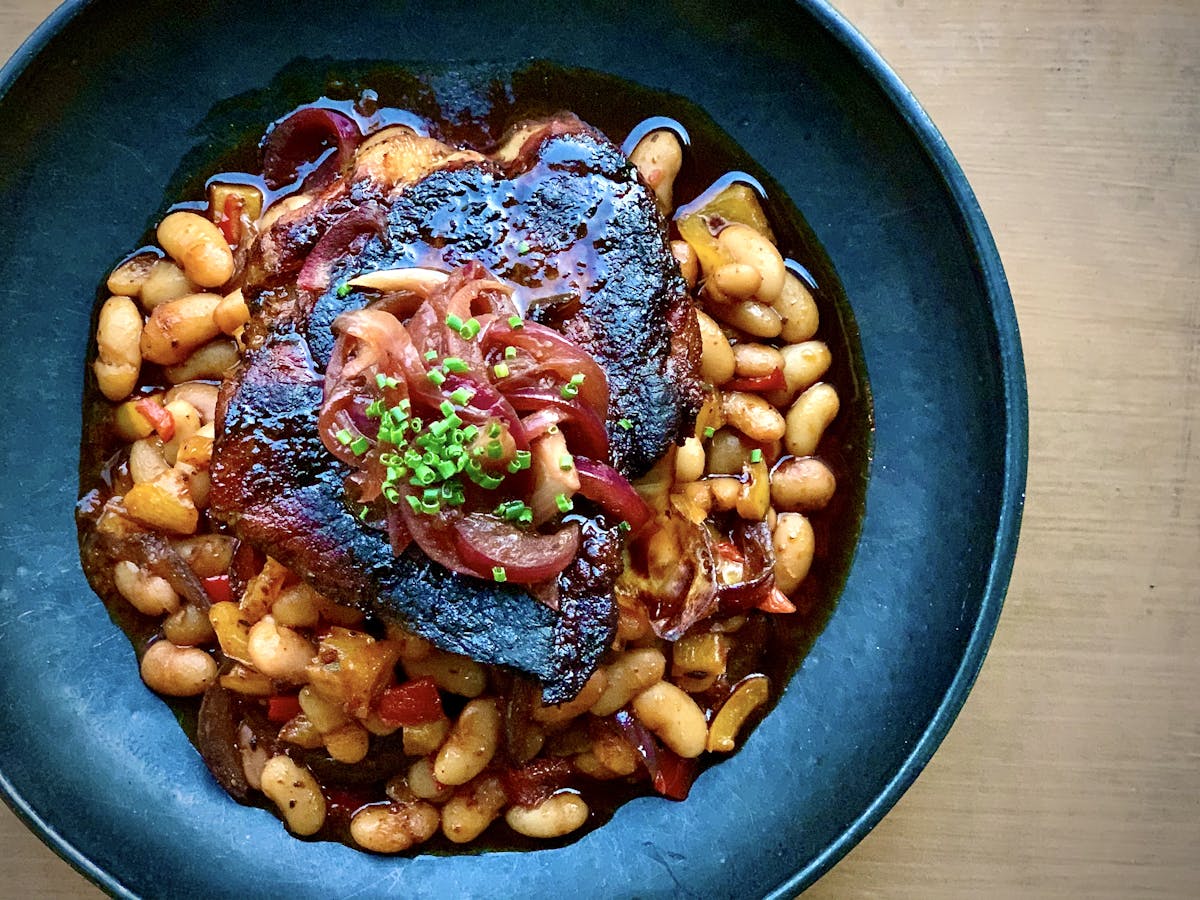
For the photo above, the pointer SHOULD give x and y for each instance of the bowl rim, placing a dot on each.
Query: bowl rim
(954, 181)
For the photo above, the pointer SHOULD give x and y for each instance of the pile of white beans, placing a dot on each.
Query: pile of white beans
(176, 309)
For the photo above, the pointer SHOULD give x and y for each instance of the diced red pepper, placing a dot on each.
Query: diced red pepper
(773, 382)
(231, 218)
(777, 602)
(283, 708)
(162, 420)
(412, 703)
(342, 803)
(217, 588)
(674, 775)
(534, 783)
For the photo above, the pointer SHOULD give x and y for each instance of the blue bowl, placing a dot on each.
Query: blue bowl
(98, 112)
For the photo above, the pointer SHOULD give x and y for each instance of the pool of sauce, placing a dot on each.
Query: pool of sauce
(475, 106)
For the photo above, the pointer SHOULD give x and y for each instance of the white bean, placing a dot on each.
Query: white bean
(743, 244)
(148, 594)
(395, 827)
(118, 339)
(631, 672)
(716, 356)
(794, 545)
(163, 283)
(292, 788)
(471, 810)
(798, 310)
(658, 157)
(471, 745)
(689, 461)
(279, 652)
(198, 246)
(177, 671)
(752, 416)
(802, 484)
(674, 717)
(808, 418)
(750, 316)
(560, 814)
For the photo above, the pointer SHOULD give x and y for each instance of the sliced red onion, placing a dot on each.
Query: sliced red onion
(324, 138)
(368, 219)
(485, 542)
(612, 492)
(753, 540)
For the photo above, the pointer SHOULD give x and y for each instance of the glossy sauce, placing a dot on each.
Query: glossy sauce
(480, 114)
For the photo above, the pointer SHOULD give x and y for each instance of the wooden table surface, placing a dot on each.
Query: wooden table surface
(1074, 769)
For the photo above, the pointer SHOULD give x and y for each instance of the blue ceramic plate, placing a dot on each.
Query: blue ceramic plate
(101, 110)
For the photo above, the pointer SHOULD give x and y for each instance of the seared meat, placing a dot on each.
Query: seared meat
(562, 214)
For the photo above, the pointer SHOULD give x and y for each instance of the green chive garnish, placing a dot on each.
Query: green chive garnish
(709, 431)
(454, 364)
(343, 290)
(461, 396)
(436, 377)
(510, 352)
(454, 322)
(344, 436)
(625, 423)
(499, 573)
(755, 455)
(360, 445)
(515, 322)
(566, 462)
(501, 370)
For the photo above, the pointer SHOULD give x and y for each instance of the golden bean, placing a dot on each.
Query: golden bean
(689, 263)
(232, 312)
(427, 738)
(178, 327)
(803, 366)
(726, 453)
(423, 784)
(188, 626)
(279, 652)
(147, 593)
(802, 485)
(561, 814)
(744, 244)
(451, 672)
(394, 827)
(348, 744)
(808, 418)
(201, 396)
(471, 744)
(689, 461)
(750, 316)
(753, 416)
(756, 360)
(212, 361)
(177, 671)
(298, 606)
(207, 555)
(716, 357)
(471, 810)
(725, 492)
(673, 716)
(630, 673)
(587, 696)
(292, 788)
(119, 357)
(187, 423)
(325, 715)
(146, 461)
(794, 544)
(737, 281)
(658, 157)
(126, 279)
(165, 282)
(798, 311)
(198, 246)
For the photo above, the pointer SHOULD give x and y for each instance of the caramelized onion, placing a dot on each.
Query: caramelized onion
(323, 138)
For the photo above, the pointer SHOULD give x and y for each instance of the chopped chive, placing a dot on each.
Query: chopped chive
(515, 322)
(391, 494)
(360, 445)
(494, 450)
(510, 352)
(436, 377)
(461, 396)
(380, 379)
(569, 391)
(499, 573)
(624, 526)
(454, 322)
(501, 370)
(523, 247)
(625, 423)
(470, 432)
(551, 429)
(413, 502)
(563, 502)
(431, 508)
(470, 329)
(566, 462)
(709, 431)
(524, 459)
(344, 436)
(454, 364)
(526, 516)
(362, 514)
(343, 290)
(577, 379)
(755, 455)
(430, 355)
(447, 408)
(494, 430)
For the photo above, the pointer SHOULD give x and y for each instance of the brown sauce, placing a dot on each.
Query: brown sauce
(477, 106)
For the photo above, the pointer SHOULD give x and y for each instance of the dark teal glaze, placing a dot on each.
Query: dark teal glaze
(96, 113)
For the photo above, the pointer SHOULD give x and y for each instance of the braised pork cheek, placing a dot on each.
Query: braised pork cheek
(558, 211)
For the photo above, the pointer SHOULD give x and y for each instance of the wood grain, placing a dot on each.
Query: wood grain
(1074, 770)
